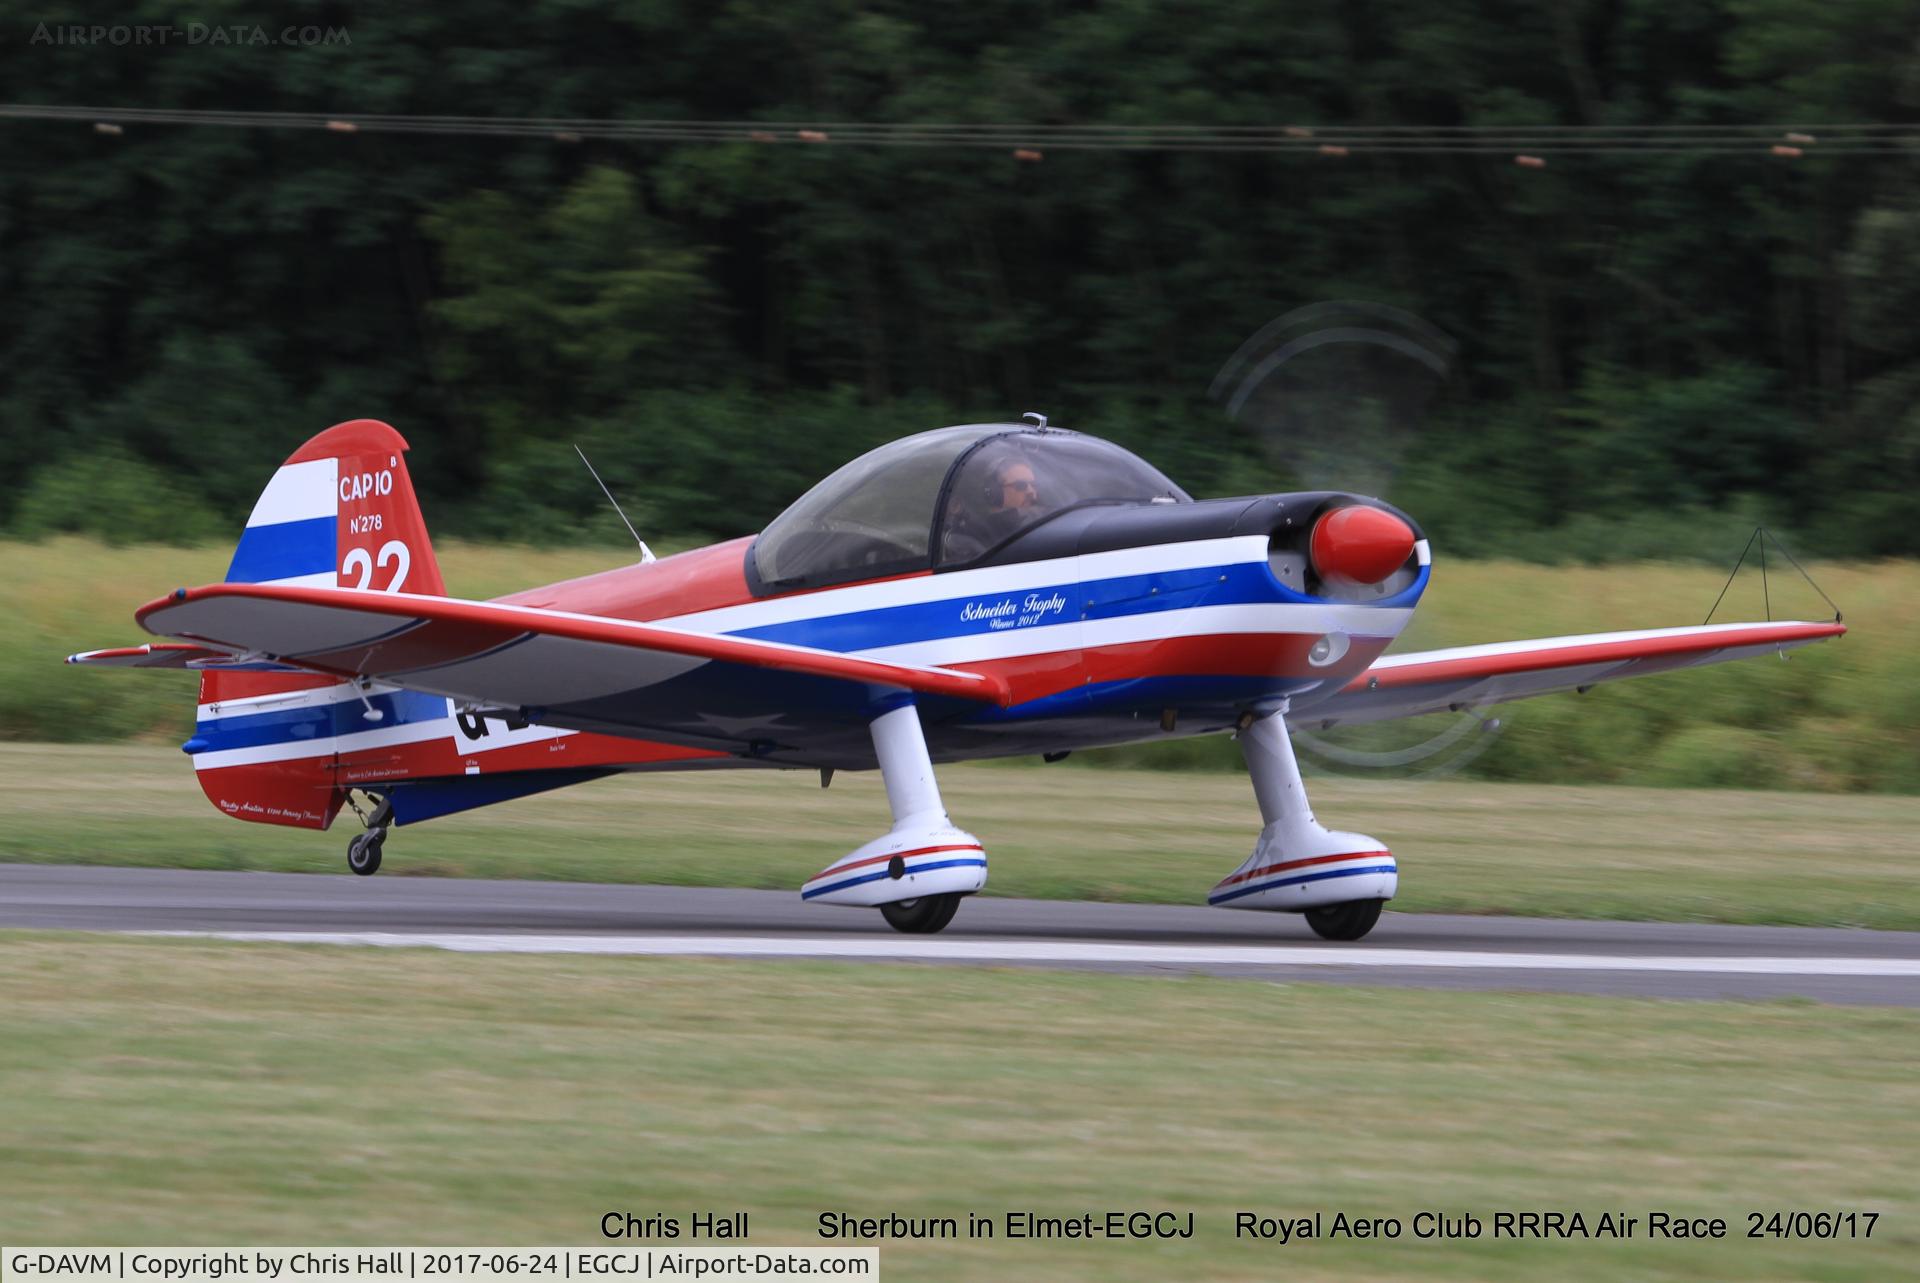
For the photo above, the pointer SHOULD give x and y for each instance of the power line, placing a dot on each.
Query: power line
(1030, 141)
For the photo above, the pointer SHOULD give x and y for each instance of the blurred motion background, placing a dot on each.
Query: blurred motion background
(1649, 350)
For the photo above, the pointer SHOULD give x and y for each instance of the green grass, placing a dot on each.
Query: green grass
(1843, 716)
(193, 1092)
(1464, 846)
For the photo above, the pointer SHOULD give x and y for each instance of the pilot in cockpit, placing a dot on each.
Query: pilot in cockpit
(1018, 499)
(1008, 499)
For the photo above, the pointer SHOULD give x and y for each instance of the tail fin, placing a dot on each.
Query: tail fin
(339, 512)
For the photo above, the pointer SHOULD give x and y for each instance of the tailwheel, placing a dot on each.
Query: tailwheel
(1349, 921)
(363, 853)
(922, 915)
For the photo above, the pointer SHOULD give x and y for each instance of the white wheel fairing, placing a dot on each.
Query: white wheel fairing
(924, 853)
(1297, 864)
(935, 859)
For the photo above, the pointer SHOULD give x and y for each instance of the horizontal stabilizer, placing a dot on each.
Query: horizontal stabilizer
(177, 655)
(153, 655)
(1472, 676)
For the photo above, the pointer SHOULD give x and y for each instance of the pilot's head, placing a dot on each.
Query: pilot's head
(1013, 485)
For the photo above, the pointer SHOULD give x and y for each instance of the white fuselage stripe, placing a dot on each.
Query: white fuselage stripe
(1016, 577)
(279, 702)
(353, 742)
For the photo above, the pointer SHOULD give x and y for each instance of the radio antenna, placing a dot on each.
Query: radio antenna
(646, 553)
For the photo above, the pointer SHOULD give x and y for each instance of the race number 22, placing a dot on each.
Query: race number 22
(363, 563)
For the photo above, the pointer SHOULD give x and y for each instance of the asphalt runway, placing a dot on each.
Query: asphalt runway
(1668, 960)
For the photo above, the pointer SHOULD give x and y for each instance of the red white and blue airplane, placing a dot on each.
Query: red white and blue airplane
(977, 591)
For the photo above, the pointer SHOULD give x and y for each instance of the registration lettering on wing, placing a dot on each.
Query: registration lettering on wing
(487, 730)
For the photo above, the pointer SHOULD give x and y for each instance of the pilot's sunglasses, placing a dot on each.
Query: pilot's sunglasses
(1026, 487)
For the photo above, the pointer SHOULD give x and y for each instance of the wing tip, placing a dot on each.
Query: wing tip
(173, 598)
(1536, 654)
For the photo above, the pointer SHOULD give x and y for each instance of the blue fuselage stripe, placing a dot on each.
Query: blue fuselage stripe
(1229, 584)
(343, 717)
(1047, 604)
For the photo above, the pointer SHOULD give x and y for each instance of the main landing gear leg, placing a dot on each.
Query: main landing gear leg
(1338, 880)
(915, 874)
(363, 853)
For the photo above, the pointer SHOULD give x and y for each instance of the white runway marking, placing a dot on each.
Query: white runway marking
(1071, 951)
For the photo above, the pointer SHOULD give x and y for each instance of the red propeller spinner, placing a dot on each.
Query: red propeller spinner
(1361, 545)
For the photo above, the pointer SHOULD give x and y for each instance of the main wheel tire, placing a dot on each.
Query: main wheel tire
(1349, 921)
(922, 915)
(363, 853)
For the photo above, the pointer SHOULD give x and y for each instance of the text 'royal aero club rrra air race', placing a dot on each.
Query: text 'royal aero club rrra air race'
(980, 591)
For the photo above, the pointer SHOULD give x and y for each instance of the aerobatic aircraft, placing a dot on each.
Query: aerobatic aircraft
(978, 591)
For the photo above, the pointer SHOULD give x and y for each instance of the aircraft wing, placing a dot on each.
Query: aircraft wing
(585, 669)
(1470, 676)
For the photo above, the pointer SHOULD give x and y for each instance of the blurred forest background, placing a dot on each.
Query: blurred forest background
(1654, 350)
(1650, 352)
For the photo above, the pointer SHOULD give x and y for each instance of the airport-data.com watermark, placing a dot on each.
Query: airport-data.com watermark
(186, 34)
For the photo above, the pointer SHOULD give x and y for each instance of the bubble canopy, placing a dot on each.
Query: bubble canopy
(945, 499)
